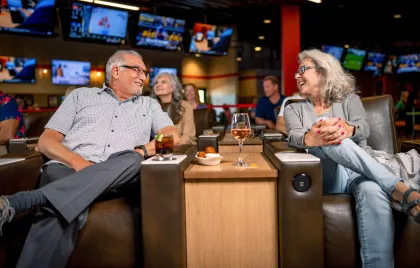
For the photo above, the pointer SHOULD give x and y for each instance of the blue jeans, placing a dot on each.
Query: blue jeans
(348, 168)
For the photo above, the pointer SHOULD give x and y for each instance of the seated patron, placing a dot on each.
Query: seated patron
(167, 91)
(11, 119)
(331, 124)
(192, 97)
(266, 106)
(96, 140)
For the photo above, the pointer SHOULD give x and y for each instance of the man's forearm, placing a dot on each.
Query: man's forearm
(56, 151)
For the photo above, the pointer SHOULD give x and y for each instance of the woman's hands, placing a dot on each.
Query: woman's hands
(328, 132)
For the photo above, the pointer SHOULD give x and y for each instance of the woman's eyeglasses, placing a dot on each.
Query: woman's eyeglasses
(137, 69)
(303, 68)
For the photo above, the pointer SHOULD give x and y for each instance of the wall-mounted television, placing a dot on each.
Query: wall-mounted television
(408, 63)
(97, 24)
(210, 39)
(391, 65)
(34, 17)
(17, 70)
(160, 32)
(354, 59)
(375, 62)
(335, 51)
(154, 71)
(66, 72)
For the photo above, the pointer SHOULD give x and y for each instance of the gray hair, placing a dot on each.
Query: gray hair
(176, 93)
(336, 83)
(175, 84)
(117, 59)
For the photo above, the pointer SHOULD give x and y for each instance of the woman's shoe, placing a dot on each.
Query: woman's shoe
(406, 207)
(6, 212)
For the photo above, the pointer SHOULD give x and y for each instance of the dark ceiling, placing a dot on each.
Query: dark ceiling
(367, 24)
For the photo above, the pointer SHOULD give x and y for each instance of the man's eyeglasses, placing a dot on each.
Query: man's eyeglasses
(303, 68)
(137, 69)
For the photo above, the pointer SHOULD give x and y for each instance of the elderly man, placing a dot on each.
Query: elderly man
(96, 141)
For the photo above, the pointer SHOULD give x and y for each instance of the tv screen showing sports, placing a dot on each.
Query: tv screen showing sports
(375, 62)
(66, 72)
(17, 70)
(408, 63)
(154, 71)
(354, 59)
(159, 32)
(210, 39)
(391, 65)
(34, 17)
(335, 51)
(100, 24)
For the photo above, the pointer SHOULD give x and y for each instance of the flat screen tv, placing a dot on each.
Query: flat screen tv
(408, 63)
(159, 32)
(391, 65)
(210, 39)
(98, 24)
(34, 17)
(17, 70)
(375, 62)
(335, 51)
(66, 72)
(154, 71)
(354, 59)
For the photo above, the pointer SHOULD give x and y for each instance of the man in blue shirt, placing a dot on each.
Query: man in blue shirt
(11, 119)
(266, 106)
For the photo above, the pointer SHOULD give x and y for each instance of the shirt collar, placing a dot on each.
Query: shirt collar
(110, 91)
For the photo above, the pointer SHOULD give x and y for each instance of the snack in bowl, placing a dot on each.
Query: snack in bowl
(210, 150)
(201, 154)
(211, 159)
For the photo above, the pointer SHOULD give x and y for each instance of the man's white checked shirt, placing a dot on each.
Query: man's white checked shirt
(97, 124)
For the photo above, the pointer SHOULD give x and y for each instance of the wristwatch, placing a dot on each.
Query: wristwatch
(144, 150)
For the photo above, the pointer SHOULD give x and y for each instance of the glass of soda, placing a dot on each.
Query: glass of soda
(164, 145)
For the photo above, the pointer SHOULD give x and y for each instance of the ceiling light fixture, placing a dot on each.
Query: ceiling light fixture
(316, 1)
(197, 55)
(238, 59)
(257, 48)
(98, 73)
(45, 71)
(397, 16)
(267, 21)
(89, 1)
(261, 37)
(346, 46)
(111, 4)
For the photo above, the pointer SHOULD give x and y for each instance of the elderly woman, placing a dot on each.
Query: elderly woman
(167, 90)
(330, 123)
(192, 97)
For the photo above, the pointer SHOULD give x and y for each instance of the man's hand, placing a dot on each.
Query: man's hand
(270, 124)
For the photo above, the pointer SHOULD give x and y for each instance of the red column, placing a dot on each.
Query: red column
(290, 46)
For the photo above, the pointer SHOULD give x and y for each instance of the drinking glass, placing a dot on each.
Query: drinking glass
(164, 145)
(240, 129)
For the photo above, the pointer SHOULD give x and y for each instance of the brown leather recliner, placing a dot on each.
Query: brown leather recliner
(111, 236)
(204, 119)
(317, 230)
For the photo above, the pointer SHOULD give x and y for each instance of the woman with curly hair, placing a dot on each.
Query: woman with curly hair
(331, 124)
(167, 90)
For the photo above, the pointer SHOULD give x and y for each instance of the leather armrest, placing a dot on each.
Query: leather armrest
(410, 144)
(163, 211)
(301, 227)
(21, 175)
(281, 147)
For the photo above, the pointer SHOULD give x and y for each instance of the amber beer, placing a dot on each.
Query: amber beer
(241, 134)
(164, 145)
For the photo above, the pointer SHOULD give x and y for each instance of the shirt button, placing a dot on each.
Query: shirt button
(109, 145)
(120, 103)
(116, 116)
(112, 130)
